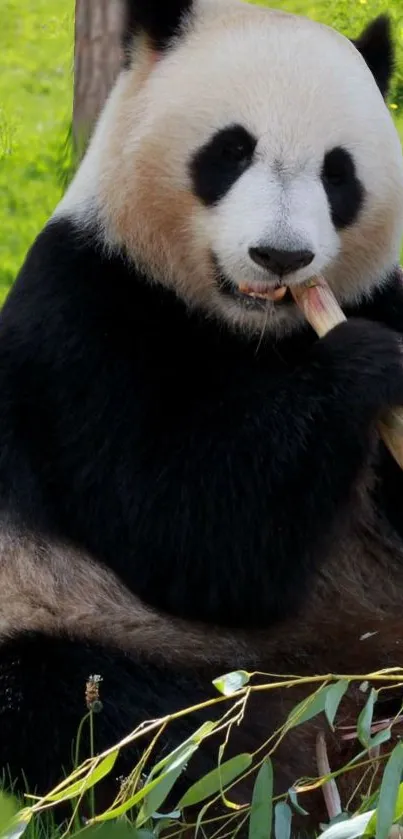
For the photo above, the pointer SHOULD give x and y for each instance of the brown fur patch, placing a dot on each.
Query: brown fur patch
(53, 588)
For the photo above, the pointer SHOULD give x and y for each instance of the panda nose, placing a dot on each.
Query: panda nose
(280, 262)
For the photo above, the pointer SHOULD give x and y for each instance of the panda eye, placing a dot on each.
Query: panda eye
(338, 167)
(220, 162)
(236, 149)
(344, 190)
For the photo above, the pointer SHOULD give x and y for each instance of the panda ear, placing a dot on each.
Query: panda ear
(159, 19)
(376, 47)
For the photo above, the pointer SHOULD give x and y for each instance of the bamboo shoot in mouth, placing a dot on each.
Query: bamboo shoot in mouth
(266, 293)
(321, 309)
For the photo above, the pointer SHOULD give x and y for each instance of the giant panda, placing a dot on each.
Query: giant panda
(190, 480)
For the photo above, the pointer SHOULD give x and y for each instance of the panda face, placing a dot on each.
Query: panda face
(255, 152)
(274, 221)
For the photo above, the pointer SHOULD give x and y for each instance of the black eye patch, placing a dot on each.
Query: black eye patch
(220, 162)
(345, 192)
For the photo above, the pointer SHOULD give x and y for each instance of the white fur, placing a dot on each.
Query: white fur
(301, 89)
(81, 197)
(263, 208)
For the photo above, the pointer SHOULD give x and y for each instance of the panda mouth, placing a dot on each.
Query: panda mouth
(254, 297)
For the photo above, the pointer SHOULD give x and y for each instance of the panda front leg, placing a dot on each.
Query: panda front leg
(386, 306)
(263, 484)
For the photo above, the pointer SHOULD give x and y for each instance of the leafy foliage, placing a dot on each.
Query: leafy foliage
(140, 807)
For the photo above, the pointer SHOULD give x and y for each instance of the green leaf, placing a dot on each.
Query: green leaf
(195, 739)
(341, 817)
(308, 708)
(13, 821)
(294, 801)
(334, 695)
(282, 821)
(261, 814)
(399, 804)
(117, 830)
(350, 828)
(16, 829)
(172, 771)
(215, 780)
(231, 682)
(8, 810)
(369, 803)
(364, 721)
(79, 787)
(158, 794)
(388, 797)
(381, 737)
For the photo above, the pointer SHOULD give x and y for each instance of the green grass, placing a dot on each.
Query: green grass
(36, 57)
(36, 53)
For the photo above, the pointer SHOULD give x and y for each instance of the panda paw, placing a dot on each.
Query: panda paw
(367, 357)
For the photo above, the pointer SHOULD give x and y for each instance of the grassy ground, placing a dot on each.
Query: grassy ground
(35, 108)
(36, 97)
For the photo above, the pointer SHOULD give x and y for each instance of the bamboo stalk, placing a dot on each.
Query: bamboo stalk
(322, 311)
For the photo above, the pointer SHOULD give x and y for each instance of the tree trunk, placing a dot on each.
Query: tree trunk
(97, 61)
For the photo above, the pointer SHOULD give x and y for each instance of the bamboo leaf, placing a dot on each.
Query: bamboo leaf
(282, 821)
(381, 737)
(261, 814)
(78, 787)
(334, 695)
(8, 810)
(171, 772)
(13, 821)
(308, 708)
(364, 721)
(195, 738)
(215, 780)
(231, 682)
(158, 794)
(118, 830)
(294, 801)
(388, 797)
(352, 828)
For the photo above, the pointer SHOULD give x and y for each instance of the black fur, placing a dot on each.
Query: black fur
(207, 474)
(42, 692)
(219, 163)
(344, 190)
(172, 450)
(159, 19)
(376, 47)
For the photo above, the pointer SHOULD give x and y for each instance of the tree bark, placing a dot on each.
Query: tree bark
(97, 60)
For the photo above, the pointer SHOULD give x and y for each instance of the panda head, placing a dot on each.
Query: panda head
(246, 147)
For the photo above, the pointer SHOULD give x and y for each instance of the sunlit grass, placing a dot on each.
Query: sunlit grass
(36, 43)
